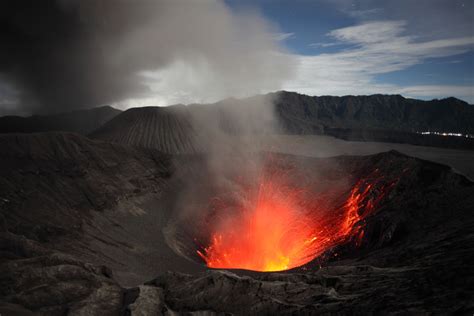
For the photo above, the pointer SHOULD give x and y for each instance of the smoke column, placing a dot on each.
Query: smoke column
(67, 54)
(61, 55)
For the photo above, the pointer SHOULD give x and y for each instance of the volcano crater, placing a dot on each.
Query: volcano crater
(287, 212)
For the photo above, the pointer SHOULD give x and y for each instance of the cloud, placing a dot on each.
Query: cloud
(9, 98)
(69, 53)
(367, 33)
(283, 36)
(323, 44)
(378, 47)
(439, 91)
(63, 54)
(429, 19)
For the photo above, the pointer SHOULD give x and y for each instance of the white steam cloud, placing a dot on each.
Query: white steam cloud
(200, 51)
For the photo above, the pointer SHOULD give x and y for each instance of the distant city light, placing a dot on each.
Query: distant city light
(447, 134)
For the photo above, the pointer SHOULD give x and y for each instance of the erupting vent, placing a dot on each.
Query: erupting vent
(278, 227)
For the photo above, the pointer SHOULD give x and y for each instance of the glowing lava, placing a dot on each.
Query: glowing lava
(275, 234)
(277, 228)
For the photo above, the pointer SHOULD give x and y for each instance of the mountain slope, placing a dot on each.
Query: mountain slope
(383, 118)
(303, 114)
(81, 121)
(168, 129)
(98, 201)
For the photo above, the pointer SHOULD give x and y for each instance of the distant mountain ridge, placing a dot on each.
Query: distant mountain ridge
(382, 112)
(79, 121)
(385, 118)
(188, 129)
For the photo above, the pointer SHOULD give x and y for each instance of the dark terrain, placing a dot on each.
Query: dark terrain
(378, 112)
(80, 121)
(168, 129)
(82, 224)
(383, 118)
(100, 224)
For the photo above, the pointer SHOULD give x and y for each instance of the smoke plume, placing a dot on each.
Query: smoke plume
(68, 54)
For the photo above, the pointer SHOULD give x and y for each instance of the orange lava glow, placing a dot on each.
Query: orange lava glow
(278, 229)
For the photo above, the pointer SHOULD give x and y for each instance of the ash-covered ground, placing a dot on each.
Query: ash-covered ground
(83, 222)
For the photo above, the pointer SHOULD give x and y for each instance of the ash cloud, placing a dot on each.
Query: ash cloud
(67, 54)
(428, 19)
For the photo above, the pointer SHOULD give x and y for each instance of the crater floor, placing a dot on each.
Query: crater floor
(83, 222)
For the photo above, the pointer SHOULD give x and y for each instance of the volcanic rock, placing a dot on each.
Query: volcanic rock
(70, 205)
(97, 201)
(411, 260)
(36, 279)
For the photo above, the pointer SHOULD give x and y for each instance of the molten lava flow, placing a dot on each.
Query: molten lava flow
(273, 235)
(278, 229)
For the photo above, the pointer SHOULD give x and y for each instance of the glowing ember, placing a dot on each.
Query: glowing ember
(278, 229)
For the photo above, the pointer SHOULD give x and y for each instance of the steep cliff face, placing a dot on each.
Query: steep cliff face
(382, 112)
